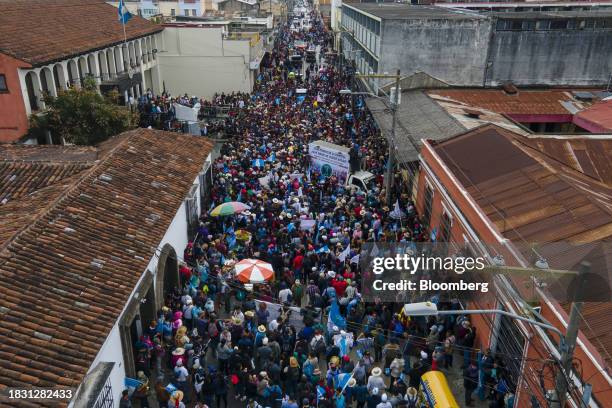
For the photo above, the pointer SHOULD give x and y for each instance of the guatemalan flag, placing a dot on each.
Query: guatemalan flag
(124, 14)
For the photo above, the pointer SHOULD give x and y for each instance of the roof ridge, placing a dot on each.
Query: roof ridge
(54, 203)
(50, 162)
(521, 141)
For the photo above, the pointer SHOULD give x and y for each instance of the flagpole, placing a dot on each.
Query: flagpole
(125, 44)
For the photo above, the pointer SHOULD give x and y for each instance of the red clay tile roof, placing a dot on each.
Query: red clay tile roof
(42, 31)
(526, 102)
(56, 304)
(48, 153)
(26, 188)
(599, 115)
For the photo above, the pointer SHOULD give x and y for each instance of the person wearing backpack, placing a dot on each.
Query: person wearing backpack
(317, 344)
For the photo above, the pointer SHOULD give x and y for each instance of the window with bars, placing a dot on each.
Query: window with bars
(3, 86)
(427, 206)
(105, 398)
(445, 228)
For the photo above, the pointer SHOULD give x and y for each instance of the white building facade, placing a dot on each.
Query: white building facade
(130, 67)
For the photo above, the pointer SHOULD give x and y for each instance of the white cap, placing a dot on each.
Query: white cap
(423, 354)
(384, 398)
(374, 391)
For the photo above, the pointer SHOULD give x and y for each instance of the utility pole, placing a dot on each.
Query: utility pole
(569, 345)
(390, 162)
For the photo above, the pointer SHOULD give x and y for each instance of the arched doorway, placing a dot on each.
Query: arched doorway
(167, 276)
(60, 80)
(33, 89)
(82, 70)
(73, 73)
(47, 82)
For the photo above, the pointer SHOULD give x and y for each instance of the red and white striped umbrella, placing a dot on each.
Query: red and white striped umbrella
(253, 271)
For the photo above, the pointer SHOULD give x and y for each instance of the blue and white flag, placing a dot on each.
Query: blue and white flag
(123, 13)
(335, 316)
(259, 163)
(342, 256)
(320, 392)
(322, 250)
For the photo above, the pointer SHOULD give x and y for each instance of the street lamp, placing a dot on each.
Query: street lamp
(431, 309)
(394, 100)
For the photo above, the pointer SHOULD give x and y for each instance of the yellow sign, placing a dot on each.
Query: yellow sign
(436, 391)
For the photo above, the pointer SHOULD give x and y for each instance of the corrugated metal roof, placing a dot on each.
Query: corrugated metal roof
(551, 192)
(591, 156)
(526, 193)
(600, 114)
(418, 117)
(527, 102)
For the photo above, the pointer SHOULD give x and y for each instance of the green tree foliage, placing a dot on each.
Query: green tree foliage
(81, 116)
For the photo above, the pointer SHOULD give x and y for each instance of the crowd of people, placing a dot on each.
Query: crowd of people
(306, 338)
(159, 112)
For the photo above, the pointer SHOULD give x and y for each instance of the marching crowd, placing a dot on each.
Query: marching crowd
(158, 111)
(305, 338)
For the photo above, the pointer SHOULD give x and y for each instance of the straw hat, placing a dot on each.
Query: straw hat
(261, 328)
(179, 351)
(352, 382)
(177, 396)
(249, 313)
(376, 371)
(293, 362)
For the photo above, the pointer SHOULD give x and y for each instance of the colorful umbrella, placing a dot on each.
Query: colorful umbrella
(229, 208)
(253, 271)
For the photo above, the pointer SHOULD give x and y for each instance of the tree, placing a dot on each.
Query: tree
(81, 116)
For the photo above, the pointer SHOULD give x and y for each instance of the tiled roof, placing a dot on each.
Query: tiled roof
(599, 116)
(48, 153)
(526, 102)
(41, 31)
(26, 188)
(65, 277)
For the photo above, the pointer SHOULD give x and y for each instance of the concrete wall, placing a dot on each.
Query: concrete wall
(198, 61)
(572, 57)
(451, 50)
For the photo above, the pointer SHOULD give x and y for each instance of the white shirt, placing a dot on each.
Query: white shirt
(181, 374)
(283, 295)
(273, 325)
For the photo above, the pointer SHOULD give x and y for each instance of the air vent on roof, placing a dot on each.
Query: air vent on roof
(97, 263)
(105, 177)
(509, 88)
(42, 336)
(13, 177)
(4, 201)
(471, 113)
(68, 229)
(583, 96)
